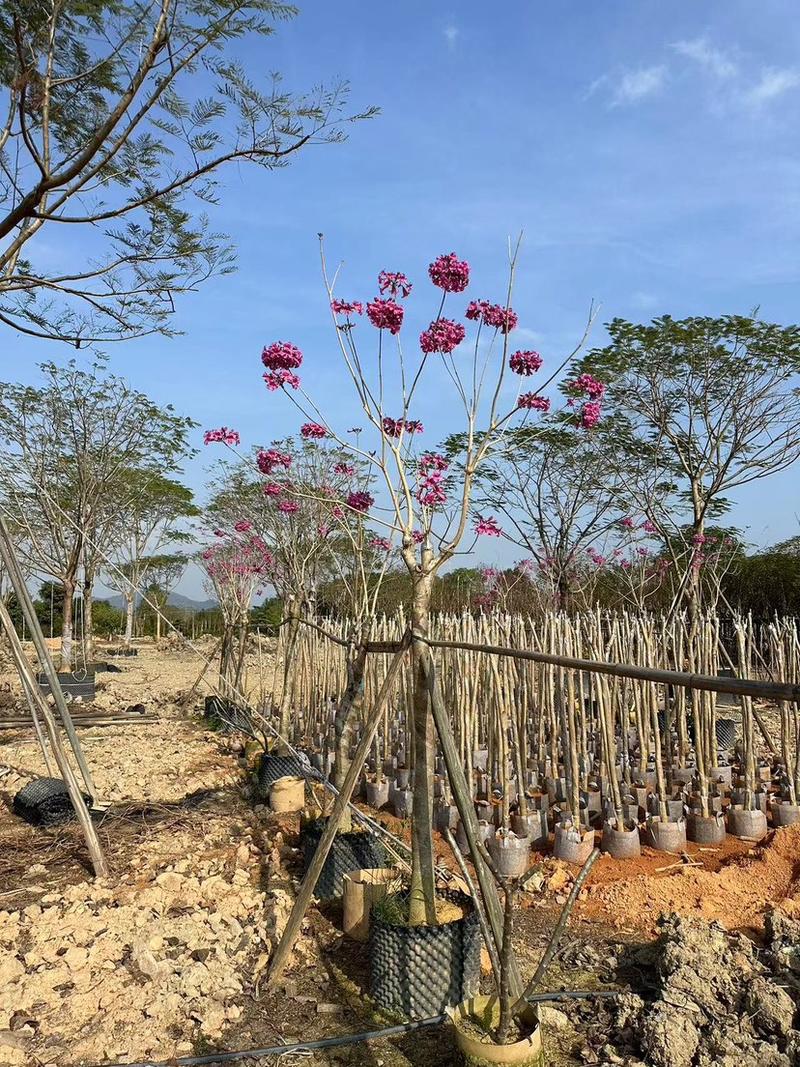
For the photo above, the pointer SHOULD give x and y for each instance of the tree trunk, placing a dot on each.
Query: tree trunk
(88, 617)
(422, 900)
(347, 713)
(67, 625)
(129, 596)
(293, 616)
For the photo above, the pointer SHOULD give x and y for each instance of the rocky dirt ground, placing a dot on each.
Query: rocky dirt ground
(167, 957)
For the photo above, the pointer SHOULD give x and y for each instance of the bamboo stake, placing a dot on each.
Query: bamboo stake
(304, 894)
(67, 774)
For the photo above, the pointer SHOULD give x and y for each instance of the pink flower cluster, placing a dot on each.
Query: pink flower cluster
(288, 507)
(270, 459)
(313, 431)
(487, 527)
(525, 363)
(589, 415)
(494, 315)
(223, 435)
(360, 501)
(382, 544)
(271, 489)
(395, 283)
(442, 336)
(243, 526)
(450, 273)
(430, 483)
(395, 427)
(385, 315)
(344, 468)
(347, 307)
(281, 359)
(235, 561)
(587, 385)
(281, 355)
(533, 402)
(276, 379)
(595, 557)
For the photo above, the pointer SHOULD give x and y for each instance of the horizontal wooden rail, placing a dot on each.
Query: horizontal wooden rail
(710, 683)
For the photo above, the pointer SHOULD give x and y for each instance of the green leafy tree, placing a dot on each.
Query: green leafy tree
(146, 511)
(165, 571)
(117, 119)
(710, 405)
(63, 445)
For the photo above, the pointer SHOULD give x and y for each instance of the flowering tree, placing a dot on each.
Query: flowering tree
(559, 493)
(235, 567)
(712, 405)
(424, 512)
(288, 495)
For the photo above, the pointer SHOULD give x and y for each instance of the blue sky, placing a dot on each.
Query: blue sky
(647, 150)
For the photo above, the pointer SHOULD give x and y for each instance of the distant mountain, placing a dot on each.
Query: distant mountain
(176, 600)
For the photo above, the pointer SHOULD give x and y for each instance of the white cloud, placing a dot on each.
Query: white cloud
(635, 85)
(773, 83)
(451, 33)
(644, 301)
(712, 59)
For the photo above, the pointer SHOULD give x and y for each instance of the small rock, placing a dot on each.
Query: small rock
(329, 1009)
(553, 1018)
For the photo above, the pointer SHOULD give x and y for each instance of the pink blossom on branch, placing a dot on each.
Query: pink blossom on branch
(487, 527)
(525, 363)
(270, 459)
(395, 427)
(271, 489)
(494, 315)
(360, 501)
(442, 336)
(587, 385)
(450, 273)
(382, 544)
(288, 507)
(313, 431)
(589, 415)
(395, 283)
(344, 468)
(533, 402)
(432, 461)
(222, 435)
(243, 526)
(281, 355)
(385, 315)
(431, 491)
(347, 307)
(276, 379)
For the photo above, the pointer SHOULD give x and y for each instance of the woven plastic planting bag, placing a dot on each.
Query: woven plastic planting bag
(422, 970)
(354, 851)
(45, 802)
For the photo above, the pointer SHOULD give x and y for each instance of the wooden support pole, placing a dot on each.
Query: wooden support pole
(304, 894)
(17, 579)
(469, 820)
(30, 697)
(67, 774)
